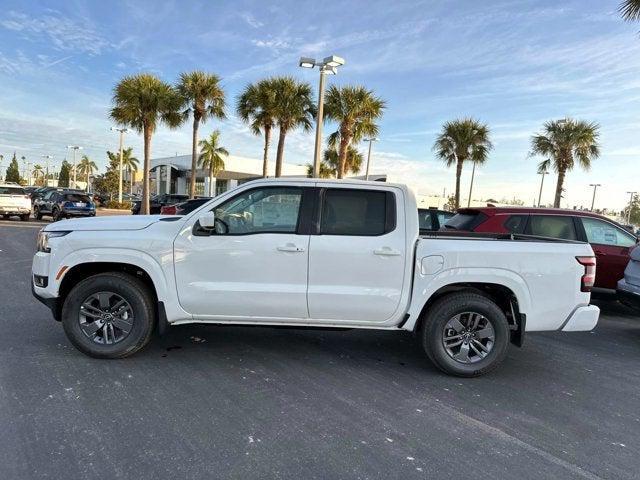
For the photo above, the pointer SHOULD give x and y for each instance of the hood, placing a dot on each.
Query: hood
(112, 222)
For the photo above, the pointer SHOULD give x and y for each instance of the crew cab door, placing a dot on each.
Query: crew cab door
(357, 259)
(253, 264)
(612, 246)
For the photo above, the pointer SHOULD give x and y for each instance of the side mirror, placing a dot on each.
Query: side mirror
(208, 220)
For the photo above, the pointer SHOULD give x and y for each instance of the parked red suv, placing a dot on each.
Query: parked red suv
(610, 242)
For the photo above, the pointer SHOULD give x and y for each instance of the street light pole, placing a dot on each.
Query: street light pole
(370, 140)
(473, 174)
(543, 173)
(631, 194)
(74, 148)
(328, 66)
(595, 187)
(122, 132)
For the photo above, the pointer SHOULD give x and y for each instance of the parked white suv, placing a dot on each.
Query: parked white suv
(14, 201)
(311, 253)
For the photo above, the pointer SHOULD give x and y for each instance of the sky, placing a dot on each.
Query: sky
(511, 64)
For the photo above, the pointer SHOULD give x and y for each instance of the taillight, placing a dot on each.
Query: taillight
(589, 277)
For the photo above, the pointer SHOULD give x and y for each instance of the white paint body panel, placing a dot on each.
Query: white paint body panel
(335, 281)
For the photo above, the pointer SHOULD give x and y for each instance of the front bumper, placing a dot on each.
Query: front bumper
(51, 303)
(628, 294)
(583, 319)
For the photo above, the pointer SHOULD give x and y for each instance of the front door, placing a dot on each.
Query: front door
(254, 264)
(357, 262)
(612, 246)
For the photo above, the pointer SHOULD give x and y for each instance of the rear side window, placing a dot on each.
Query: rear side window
(465, 221)
(11, 191)
(554, 226)
(515, 223)
(604, 233)
(424, 220)
(357, 212)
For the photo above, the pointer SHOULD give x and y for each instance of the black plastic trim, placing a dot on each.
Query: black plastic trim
(163, 324)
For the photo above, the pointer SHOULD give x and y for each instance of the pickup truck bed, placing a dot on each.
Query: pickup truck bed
(311, 253)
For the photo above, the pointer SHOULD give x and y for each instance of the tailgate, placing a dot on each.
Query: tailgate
(10, 200)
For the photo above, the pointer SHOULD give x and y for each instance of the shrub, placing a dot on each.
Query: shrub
(118, 206)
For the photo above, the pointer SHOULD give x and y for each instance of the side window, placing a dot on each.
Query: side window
(555, 226)
(263, 210)
(605, 233)
(443, 217)
(357, 212)
(515, 223)
(47, 195)
(424, 220)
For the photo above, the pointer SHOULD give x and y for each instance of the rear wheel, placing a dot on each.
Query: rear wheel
(110, 315)
(56, 215)
(465, 334)
(36, 213)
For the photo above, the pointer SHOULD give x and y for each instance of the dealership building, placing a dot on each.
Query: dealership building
(173, 174)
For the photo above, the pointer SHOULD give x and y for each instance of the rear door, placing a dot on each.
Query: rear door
(554, 226)
(357, 261)
(612, 246)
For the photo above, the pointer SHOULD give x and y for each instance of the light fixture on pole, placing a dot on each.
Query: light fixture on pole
(122, 132)
(328, 66)
(593, 199)
(631, 194)
(543, 173)
(46, 176)
(370, 140)
(75, 148)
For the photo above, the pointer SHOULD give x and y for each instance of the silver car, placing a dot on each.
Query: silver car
(629, 286)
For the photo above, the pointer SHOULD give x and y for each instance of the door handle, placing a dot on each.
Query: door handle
(600, 252)
(290, 247)
(387, 252)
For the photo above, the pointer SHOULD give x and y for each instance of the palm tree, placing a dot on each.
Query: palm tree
(326, 170)
(356, 110)
(211, 153)
(142, 102)
(87, 167)
(203, 96)
(330, 161)
(257, 106)
(630, 10)
(295, 108)
(563, 143)
(462, 140)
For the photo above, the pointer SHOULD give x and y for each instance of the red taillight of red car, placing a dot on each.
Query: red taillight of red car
(589, 277)
(168, 210)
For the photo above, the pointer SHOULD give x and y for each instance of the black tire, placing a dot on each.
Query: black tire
(6, 217)
(134, 291)
(25, 217)
(443, 311)
(37, 214)
(55, 215)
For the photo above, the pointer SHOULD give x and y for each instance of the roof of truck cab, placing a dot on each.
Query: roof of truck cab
(344, 181)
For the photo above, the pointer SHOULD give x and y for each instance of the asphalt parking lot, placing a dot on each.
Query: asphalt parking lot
(241, 402)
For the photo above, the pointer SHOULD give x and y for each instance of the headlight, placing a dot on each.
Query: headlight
(43, 239)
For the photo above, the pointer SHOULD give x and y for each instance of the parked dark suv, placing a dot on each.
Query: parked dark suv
(159, 201)
(611, 243)
(64, 204)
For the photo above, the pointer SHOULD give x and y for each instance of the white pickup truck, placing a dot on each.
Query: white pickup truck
(306, 252)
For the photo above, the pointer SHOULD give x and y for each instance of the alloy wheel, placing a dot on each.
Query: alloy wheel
(106, 318)
(468, 337)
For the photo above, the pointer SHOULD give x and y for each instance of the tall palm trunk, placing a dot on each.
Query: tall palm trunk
(342, 154)
(559, 185)
(194, 156)
(265, 158)
(211, 180)
(87, 181)
(144, 205)
(280, 154)
(458, 175)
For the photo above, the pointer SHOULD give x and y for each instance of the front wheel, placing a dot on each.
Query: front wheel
(56, 215)
(465, 334)
(109, 315)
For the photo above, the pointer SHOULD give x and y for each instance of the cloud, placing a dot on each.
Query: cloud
(63, 32)
(251, 20)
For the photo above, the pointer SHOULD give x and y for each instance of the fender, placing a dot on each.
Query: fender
(426, 285)
(163, 280)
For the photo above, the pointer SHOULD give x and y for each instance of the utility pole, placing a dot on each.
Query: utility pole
(122, 132)
(631, 194)
(370, 140)
(543, 173)
(595, 187)
(46, 176)
(74, 148)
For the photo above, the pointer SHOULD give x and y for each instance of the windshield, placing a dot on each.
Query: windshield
(11, 191)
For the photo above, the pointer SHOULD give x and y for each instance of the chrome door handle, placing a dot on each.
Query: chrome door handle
(290, 247)
(386, 251)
